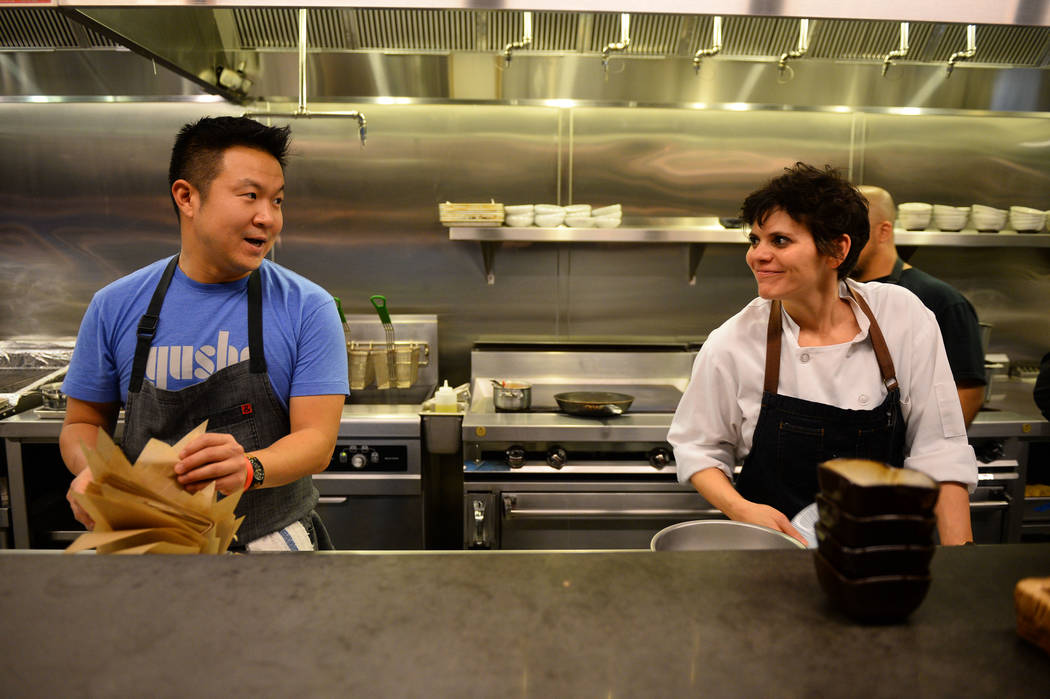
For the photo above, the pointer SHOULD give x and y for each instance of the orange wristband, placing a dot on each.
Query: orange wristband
(250, 475)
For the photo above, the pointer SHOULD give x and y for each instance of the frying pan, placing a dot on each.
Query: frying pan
(594, 403)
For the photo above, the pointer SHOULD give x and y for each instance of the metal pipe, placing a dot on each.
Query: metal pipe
(625, 40)
(362, 123)
(716, 31)
(901, 52)
(525, 41)
(302, 61)
(971, 48)
(301, 110)
(803, 45)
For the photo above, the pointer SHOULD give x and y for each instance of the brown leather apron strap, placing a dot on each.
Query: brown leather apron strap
(773, 333)
(878, 342)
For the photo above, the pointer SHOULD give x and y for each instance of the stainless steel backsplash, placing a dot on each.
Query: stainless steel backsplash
(83, 200)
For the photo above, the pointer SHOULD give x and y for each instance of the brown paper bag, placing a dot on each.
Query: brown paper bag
(142, 508)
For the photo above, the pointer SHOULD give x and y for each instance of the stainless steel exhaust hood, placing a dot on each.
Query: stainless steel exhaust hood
(445, 51)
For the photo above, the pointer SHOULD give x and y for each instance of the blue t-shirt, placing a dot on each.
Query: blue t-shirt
(204, 328)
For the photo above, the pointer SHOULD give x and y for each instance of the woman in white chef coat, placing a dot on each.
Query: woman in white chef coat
(819, 367)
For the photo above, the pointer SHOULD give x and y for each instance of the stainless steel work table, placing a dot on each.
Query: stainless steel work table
(742, 623)
(393, 420)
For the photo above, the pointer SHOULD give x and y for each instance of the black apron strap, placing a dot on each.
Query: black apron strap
(773, 333)
(148, 327)
(878, 342)
(255, 324)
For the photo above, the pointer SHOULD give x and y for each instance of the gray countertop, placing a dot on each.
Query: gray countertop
(734, 623)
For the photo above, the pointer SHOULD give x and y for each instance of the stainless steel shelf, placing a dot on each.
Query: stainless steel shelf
(690, 234)
(971, 238)
(698, 236)
(717, 234)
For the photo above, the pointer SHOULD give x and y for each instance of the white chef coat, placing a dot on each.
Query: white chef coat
(715, 420)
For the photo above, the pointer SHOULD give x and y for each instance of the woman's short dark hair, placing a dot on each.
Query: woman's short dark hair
(197, 154)
(822, 201)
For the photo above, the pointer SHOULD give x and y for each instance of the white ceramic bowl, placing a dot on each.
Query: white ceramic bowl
(950, 218)
(548, 209)
(915, 220)
(606, 221)
(578, 210)
(549, 220)
(1026, 222)
(519, 221)
(579, 222)
(519, 210)
(612, 210)
(988, 218)
(915, 206)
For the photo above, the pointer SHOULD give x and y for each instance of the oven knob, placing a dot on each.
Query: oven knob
(358, 460)
(659, 457)
(516, 456)
(556, 457)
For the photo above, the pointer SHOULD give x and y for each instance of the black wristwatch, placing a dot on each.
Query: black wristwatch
(258, 472)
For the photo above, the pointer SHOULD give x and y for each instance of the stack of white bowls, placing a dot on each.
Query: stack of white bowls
(1024, 219)
(915, 215)
(552, 216)
(518, 215)
(988, 219)
(549, 215)
(607, 216)
(578, 216)
(950, 218)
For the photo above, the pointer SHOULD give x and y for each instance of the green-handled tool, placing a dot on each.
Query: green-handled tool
(342, 317)
(379, 302)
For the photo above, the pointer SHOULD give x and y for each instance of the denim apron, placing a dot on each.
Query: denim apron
(237, 400)
(793, 435)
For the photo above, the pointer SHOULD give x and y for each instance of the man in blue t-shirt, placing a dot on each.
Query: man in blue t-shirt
(219, 333)
(960, 331)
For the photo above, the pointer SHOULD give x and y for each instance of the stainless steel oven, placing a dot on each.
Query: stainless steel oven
(542, 479)
(371, 493)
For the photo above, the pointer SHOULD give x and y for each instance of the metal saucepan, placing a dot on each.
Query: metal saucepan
(594, 403)
(511, 396)
(720, 535)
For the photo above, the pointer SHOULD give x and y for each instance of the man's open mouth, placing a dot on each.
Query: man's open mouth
(256, 241)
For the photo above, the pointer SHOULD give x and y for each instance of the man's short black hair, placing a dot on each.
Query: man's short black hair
(822, 201)
(197, 154)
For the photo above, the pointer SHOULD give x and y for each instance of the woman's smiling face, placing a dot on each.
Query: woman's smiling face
(784, 258)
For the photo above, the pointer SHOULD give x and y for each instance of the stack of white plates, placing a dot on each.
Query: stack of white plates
(988, 219)
(950, 218)
(1024, 219)
(914, 215)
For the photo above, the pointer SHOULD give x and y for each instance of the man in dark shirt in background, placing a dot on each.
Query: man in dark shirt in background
(956, 317)
(1041, 393)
